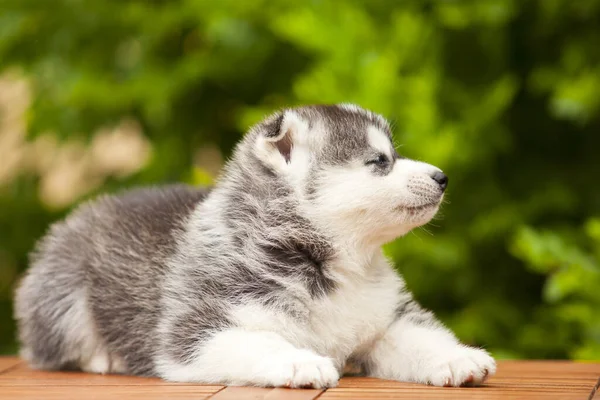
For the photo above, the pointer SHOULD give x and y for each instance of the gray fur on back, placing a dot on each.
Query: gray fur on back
(109, 256)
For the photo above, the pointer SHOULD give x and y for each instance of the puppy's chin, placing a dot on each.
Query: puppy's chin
(401, 221)
(415, 216)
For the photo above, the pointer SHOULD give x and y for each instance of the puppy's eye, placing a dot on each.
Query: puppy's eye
(380, 161)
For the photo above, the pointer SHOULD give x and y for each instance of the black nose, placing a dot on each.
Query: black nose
(441, 179)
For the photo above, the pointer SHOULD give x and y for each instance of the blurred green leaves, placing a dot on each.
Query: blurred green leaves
(571, 264)
(500, 94)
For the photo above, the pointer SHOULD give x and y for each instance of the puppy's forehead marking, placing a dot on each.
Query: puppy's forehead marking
(379, 141)
(343, 132)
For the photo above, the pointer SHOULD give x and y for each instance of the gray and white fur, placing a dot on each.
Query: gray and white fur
(275, 277)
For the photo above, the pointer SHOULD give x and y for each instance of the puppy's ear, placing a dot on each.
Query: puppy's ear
(280, 136)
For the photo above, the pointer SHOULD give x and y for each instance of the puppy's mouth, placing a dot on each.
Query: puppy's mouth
(420, 207)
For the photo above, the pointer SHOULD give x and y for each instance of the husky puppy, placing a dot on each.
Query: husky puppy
(275, 277)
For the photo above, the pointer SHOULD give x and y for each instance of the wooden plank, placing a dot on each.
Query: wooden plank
(546, 369)
(22, 375)
(106, 392)
(7, 363)
(453, 393)
(293, 394)
(251, 393)
(422, 389)
(372, 383)
(241, 393)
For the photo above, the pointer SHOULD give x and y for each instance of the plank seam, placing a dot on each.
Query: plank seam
(594, 389)
(12, 367)
(212, 395)
(321, 394)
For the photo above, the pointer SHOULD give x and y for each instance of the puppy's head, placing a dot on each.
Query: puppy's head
(342, 166)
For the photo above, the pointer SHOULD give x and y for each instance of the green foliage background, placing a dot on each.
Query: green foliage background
(502, 95)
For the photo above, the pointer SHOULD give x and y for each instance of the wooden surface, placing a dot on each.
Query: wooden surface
(514, 380)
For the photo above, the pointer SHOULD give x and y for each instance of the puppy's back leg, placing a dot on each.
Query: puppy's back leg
(239, 357)
(56, 326)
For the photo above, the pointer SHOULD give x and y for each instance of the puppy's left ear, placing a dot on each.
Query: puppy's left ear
(281, 138)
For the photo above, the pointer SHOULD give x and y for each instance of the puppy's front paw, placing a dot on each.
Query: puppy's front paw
(461, 366)
(303, 370)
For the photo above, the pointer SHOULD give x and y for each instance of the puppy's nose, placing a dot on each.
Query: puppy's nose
(441, 179)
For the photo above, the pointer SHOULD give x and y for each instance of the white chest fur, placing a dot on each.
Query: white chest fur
(358, 311)
(355, 314)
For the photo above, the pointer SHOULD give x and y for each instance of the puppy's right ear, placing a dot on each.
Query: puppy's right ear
(282, 138)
